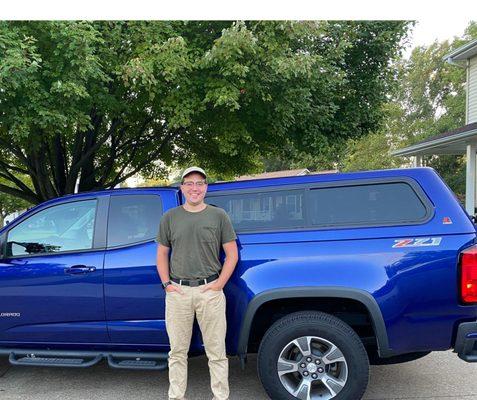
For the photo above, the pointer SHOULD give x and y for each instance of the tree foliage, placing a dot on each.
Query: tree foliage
(430, 99)
(93, 103)
(10, 204)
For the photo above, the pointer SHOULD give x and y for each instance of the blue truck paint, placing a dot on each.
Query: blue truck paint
(53, 305)
(411, 293)
(403, 282)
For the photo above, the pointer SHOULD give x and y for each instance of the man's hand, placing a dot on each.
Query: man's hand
(215, 285)
(174, 288)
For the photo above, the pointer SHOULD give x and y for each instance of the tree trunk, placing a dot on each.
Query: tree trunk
(87, 176)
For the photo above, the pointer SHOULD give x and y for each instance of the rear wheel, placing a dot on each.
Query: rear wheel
(312, 355)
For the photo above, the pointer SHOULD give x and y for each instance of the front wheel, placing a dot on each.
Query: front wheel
(312, 355)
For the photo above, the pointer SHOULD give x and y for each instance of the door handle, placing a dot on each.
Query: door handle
(79, 269)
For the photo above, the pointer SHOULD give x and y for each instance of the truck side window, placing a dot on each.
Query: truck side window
(133, 219)
(64, 227)
(371, 204)
(267, 210)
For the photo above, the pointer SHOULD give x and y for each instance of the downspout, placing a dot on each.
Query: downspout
(465, 65)
(467, 78)
(470, 184)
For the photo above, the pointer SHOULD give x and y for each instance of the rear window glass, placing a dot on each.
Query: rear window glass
(133, 218)
(372, 204)
(268, 210)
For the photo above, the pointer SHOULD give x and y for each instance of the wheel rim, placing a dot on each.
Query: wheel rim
(311, 367)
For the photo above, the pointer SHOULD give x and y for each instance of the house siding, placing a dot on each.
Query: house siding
(472, 91)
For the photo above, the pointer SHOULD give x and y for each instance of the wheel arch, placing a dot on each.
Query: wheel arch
(358, 295)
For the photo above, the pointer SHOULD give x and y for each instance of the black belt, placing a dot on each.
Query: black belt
(197, 282)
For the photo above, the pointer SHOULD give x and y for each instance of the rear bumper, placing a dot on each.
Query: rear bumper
(466, 341)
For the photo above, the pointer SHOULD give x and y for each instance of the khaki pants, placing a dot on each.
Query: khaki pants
(209, 307)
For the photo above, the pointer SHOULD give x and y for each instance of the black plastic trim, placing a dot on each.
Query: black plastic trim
(126, 246)
(52, 361)
(466, 347)
(3, 247)
(54, 254)
(132, 362)
(309, 291)
(95, 357)
(100, 227)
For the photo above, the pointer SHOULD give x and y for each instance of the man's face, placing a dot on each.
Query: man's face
(194, 188)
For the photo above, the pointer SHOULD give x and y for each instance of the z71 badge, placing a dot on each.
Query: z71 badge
(418, 242)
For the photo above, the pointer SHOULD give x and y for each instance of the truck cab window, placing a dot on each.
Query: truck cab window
(133, 219)
(64, 227)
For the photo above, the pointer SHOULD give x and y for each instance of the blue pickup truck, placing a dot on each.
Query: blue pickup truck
(336, 271)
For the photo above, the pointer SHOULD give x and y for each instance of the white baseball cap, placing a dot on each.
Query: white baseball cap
(194, 169)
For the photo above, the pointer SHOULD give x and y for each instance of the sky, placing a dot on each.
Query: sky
(427, 30)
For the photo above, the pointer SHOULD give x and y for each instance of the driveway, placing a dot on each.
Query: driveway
(440, 376)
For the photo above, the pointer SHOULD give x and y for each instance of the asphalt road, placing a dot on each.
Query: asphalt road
(440, 376)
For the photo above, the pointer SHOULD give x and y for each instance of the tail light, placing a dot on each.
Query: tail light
(468, 275)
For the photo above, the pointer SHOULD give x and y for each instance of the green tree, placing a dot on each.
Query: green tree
(372, 151)
(93, 103)
(10, 204)
(370, 65)
(429, 99)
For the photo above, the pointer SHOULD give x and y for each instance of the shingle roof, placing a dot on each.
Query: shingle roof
(275, 174)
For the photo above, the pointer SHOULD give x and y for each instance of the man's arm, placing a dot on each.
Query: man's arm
(231, 258)
(162, 263)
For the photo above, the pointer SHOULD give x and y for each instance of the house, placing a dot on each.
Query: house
(10, 217)
(464, 139)
(282, 174)
(275, 174)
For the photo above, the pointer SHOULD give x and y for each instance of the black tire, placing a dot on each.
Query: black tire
(321, 326)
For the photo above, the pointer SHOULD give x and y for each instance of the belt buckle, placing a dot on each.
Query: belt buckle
(193, 283)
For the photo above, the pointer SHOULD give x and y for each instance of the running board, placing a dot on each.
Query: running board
(135, 362)
(52, 361)
(83, 359)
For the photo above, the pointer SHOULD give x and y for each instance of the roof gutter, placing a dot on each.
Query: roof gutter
(429, 145)
(461, 54)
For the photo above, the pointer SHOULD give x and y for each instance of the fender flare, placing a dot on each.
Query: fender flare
(359, 295)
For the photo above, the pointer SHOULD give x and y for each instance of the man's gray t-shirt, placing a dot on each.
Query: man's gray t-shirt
(195, 239)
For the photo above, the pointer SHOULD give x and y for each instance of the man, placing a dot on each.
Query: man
(194, 281)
